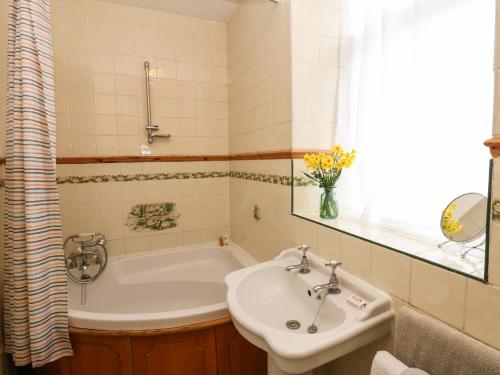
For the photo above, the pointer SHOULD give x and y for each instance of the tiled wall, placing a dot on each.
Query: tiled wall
(464, 303)
(100, 49)
(259, 77)
(468, 305)
(203, 203)
(315, 67)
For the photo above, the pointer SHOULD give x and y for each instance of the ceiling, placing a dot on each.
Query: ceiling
(213, 10)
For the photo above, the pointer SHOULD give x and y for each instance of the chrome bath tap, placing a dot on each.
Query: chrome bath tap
(332, 287)
(303, 267)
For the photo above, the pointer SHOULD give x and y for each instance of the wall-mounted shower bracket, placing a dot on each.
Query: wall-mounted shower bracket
(152, 130)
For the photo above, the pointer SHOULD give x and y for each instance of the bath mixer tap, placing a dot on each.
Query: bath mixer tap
(85, 256)
(332, 287)
(303, 267)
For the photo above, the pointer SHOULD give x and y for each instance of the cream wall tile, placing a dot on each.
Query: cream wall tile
(329, 243)
(107, 145)
(102, 62)
(77, 60)
(104, 104)
(356, 256)
(439, 292)
(81, 124)
(83, 145)
(78, 81)
(494, 251)
(80, 103)
(482, 309)
(391, 272)
(105, 125)
(103, 83)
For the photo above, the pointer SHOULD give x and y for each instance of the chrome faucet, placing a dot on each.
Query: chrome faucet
(303, 267)
(332, 287)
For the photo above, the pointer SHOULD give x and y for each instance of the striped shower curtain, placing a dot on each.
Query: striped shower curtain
(35, 284)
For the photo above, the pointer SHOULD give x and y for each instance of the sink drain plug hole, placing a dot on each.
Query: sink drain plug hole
(292, 324)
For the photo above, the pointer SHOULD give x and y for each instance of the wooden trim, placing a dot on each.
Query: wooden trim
(494, 145)
(265, 155)
(268, 155)
(138, 159)
(152, 332)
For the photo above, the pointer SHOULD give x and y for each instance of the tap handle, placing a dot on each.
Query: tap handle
(303, 248)
(333, 264)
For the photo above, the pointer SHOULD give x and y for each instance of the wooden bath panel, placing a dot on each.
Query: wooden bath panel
(208, 348)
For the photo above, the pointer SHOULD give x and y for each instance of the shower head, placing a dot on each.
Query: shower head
(275, 1)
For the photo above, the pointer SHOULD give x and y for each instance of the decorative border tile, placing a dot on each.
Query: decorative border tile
(139, 177)
(495, 210)
(250, 176)
(270, 178)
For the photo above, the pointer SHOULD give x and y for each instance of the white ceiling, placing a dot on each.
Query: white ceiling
(213, 10)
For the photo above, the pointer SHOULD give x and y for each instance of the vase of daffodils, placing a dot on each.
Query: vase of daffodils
(324, 169)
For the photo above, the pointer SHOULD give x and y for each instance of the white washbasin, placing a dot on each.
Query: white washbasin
(262, 298)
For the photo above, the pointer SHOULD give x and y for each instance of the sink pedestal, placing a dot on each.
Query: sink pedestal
(273, 369)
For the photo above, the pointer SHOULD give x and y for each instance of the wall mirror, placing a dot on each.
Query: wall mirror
(417, 115)
(454, 238)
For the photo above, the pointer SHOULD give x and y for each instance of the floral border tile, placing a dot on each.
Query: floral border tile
(251, 176)
(495, 210)
(271, 179)
(138, 177)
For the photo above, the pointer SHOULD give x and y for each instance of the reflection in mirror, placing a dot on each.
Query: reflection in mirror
(464, 222)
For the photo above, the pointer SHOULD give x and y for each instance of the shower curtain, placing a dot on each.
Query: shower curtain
(35, 284)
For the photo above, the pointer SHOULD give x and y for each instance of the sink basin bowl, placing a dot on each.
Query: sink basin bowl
(264, 297)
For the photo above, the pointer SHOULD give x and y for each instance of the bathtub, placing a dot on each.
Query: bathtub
(159, 289)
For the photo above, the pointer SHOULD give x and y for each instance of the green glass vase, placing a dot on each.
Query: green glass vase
(328, 207)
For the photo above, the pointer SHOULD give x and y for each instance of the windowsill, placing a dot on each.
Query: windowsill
(448, 256)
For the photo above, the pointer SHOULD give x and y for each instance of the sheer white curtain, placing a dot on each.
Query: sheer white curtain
(415, 99)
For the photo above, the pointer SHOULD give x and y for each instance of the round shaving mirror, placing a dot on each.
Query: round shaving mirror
(464, 219)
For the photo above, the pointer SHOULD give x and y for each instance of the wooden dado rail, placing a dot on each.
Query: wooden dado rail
(493, 144)
(268, 155)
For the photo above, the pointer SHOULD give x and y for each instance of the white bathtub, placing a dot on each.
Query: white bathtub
(159, 289)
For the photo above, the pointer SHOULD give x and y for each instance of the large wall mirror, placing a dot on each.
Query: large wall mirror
(415, 102)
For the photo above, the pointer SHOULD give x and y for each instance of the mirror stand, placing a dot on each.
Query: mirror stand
(467, 248)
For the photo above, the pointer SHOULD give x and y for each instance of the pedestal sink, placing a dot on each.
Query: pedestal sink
(273, 309)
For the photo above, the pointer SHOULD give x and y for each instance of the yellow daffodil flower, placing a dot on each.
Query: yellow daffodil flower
(337, 149)
(326, 162)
